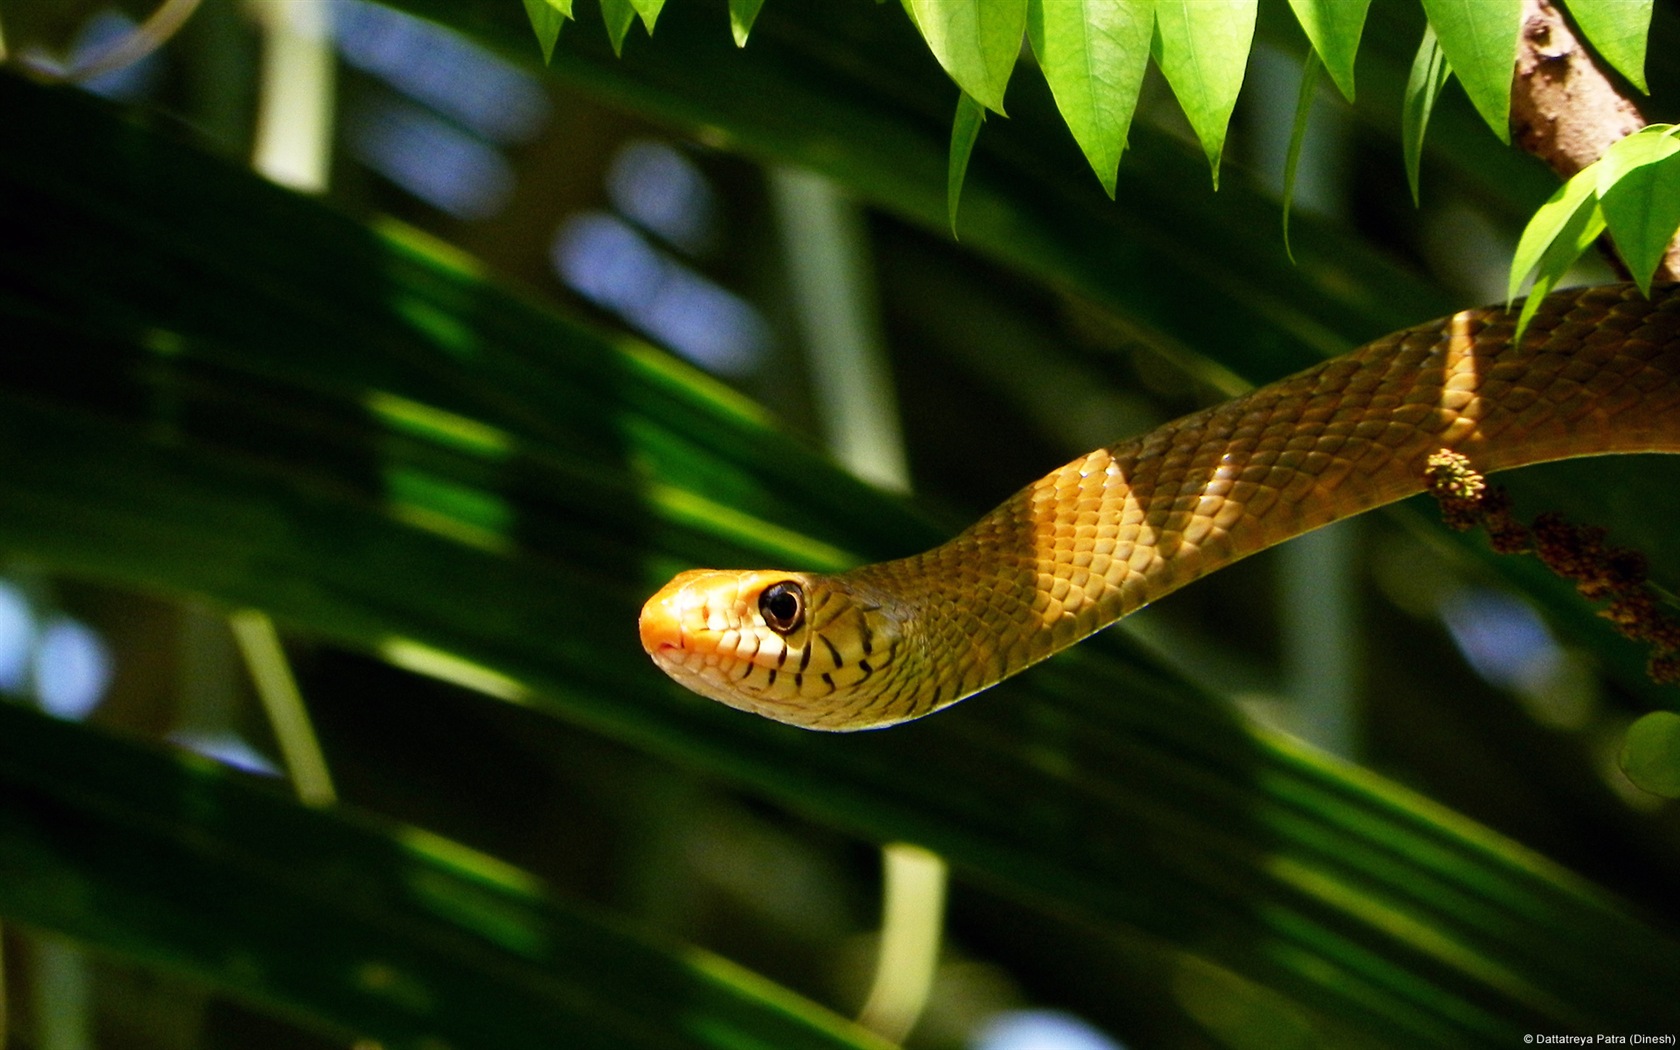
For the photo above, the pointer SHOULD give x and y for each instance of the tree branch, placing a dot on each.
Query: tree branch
(1565, 109)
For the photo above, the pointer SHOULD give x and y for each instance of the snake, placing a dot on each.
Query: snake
(1596, 372)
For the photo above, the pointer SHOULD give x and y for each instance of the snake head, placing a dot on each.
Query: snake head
(797, 647)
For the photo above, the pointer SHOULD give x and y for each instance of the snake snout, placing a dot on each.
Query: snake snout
(659, 629)
(661, 622)
(685, 612)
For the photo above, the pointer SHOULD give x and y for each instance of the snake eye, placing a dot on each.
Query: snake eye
(783, 607)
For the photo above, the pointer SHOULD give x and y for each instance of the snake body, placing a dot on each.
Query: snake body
(1598, 372)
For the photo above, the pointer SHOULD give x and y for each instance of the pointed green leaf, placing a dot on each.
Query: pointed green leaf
(965, 128)
(1429, 75)
(1577, 234)
(1648, 145)
(1334, 27)
(1093, 53)
(1311, 73)
(546, 19)
(1639, 190)
(1651, 753)
(618, 14)
(649, 10)
(1549, 223)
(742, 15)
(1616, 29)
(1203, 50)
(976, 41)
(1479, 38)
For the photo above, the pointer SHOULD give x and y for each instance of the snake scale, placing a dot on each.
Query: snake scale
(1598, 372)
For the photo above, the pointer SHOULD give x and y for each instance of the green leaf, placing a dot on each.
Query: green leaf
(1334, 28)
(547, 16)
(618, 15)
(1639, 189)
(1549, 223)
(360, 926)
(742, 15)
(1203, 50)
(1651, 753)
(649, 10)
(1479, 38)
(1617, 30)
(965, 129)
(1429, 75)
(1094, 53)
(976, 41)
(1572, 228)
(1311, 72)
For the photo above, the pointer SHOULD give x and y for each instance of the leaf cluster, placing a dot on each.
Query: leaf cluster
(1633, 193)
(1093, 54)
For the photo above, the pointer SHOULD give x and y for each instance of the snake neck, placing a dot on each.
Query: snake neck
(1598, 372)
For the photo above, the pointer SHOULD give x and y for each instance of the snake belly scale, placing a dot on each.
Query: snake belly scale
(1598, 372)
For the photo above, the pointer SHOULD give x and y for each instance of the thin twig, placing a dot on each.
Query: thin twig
(130, 48)
(1578, 553)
